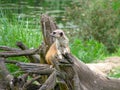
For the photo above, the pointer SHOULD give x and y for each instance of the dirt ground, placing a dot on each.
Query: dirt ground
(106, 66)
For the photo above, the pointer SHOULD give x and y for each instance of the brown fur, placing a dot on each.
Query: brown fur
(52, 52)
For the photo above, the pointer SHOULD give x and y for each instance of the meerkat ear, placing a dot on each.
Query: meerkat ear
(61, 34)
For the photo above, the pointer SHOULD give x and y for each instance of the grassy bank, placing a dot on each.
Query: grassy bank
(13, 30)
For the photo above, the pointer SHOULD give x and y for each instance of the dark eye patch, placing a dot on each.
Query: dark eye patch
(54, 32)
(61, 34)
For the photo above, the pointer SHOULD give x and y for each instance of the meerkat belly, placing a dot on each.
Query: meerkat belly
(64, 49)
(51, 54)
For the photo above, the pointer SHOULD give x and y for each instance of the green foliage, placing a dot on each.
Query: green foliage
(117, 53)
(14, 30)
(97, 19)
(89, 50)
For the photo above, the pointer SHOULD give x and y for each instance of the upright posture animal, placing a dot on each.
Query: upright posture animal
(59, 47)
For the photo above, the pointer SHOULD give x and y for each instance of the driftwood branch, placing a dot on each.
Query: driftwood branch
(30, 82)
(33, 58)
(48, 25)
(6, 76)
(42, 69)
(5, 48)
(50, 82)
(18, 53)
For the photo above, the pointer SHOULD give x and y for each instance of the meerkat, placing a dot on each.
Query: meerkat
(59, 47)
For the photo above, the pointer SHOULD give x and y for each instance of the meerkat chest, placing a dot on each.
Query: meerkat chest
(62, 47)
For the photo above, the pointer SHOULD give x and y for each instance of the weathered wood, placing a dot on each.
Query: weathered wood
(30, 82)
(5, 76)
(92, 81)
(48, 25)
(5, 48)
(18, 53)
(33, 58)
(50, 82)
(43, 69)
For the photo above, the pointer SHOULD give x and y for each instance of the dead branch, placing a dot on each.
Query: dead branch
(33, 58)
(18, 53)
(42, 69)
(21, 46)
(6, 76)
(30, 82)
(5, 48)
(50, 82)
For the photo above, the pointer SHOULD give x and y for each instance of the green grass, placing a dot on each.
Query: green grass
(13, 30)
(19, 31)
(88, 51)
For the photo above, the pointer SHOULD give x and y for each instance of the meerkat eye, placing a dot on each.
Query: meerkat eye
(54, 32)
(61, 34)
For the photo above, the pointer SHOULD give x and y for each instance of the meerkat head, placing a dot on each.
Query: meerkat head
(57, 34)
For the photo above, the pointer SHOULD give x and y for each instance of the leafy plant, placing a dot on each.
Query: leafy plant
(96, 19)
